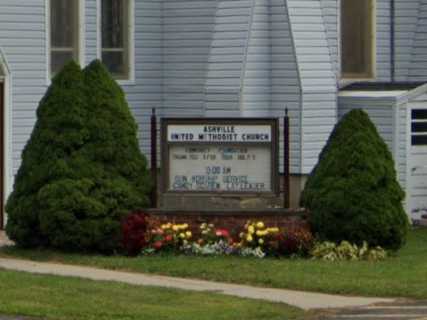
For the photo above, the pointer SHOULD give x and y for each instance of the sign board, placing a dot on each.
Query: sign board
(220, 155)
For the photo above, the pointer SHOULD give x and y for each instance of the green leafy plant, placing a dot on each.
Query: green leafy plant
(353, 193)
(330, 251)
(82, 171)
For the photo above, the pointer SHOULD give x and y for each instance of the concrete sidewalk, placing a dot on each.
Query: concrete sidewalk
(4, 241)
(303, 300)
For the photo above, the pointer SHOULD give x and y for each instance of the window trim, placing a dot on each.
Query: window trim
(131, 38)
(81, 36)
(346, 79)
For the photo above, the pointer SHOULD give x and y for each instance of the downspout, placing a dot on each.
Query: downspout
(392, 41)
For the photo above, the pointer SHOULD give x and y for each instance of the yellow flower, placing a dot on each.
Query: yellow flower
(175, 227)
(203, 226)
(273, 230)
(182, 235)
(188, 234)
(259, 233)
(260, 241)
(185, 225)
(251, 229)
(249, 238)
(260, 225)
(242, 235)
(164, 226)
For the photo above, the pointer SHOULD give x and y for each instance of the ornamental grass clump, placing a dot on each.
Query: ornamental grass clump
(82, 171)
(353, 193)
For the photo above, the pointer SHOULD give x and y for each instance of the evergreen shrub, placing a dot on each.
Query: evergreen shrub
(82, 171)
(353, 193)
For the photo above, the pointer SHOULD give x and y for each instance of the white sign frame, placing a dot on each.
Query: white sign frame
(233, 132)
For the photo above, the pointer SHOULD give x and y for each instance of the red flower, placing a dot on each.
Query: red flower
(168, 238)
(222, 233)
(158, 245)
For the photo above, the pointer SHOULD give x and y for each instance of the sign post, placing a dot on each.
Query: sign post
(214, 155)
(286, 173)
(154, 158)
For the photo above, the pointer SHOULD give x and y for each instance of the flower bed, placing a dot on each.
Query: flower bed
(146, 235)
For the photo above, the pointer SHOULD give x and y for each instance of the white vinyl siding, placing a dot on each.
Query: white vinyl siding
(317, 79)
(406, 21)
(418, 68)
(388, 111)
(23, 44)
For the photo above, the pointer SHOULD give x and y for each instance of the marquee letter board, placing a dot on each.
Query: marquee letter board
(204, 155)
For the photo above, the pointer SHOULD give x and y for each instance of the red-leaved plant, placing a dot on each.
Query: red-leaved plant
(295, 241)
(134, 233)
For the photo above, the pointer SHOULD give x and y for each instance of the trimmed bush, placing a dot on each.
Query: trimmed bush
(60, 129)
(82, 170)
(353, 193)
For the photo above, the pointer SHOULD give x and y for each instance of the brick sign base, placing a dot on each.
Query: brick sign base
(234, 221)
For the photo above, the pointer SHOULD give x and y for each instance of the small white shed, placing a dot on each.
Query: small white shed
(400, 115)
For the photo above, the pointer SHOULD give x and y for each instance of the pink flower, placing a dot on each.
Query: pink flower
(157, 245)
(222, 233)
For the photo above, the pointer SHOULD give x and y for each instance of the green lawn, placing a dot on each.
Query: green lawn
(404, 275)
(51, 297)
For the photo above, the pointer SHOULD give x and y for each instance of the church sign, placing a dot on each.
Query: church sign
(220, 155)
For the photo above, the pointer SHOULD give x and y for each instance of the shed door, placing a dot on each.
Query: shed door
(418, 162)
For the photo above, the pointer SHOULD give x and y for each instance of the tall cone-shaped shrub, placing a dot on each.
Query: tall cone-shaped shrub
(106, 174)
(114, 143)
(353, 193)
(59, 131)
